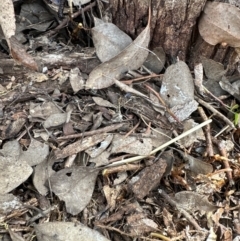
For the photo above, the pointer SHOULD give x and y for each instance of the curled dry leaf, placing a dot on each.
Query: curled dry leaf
(130, 58)
(147, 179)
(220, 24)
(76, 79)
(20, 55)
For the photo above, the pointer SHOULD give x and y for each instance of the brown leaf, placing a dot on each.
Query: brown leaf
(19, 54)
(130, 58)
(220, 24)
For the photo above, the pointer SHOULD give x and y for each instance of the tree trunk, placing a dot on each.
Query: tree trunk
(173, 27)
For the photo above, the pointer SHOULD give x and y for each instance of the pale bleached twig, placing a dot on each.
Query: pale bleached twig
(138, 158)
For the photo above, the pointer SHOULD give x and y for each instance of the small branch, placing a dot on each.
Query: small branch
(224, 159)
(208, 106)
(132, 130)
(90, 133)
(121, 232)
(65, 21)
(163, 103)
(207, 132)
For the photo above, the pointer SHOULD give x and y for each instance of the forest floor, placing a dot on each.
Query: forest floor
(90, 151)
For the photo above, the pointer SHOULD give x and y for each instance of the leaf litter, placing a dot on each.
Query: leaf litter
(131, 58)
(108, 158)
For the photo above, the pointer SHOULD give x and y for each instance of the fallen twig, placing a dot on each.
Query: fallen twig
(208, 106)
(90, 133)
(163, 103)
(225, 161)
(65, 21)
(207, 132)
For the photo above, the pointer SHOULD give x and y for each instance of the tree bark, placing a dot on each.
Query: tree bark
(173, 27)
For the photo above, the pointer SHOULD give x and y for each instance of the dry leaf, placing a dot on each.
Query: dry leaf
(15, 236)
(177, 91)
(193, 137)
(195, 165)
(212, 69)
(58, 231)
(74, 186)
(36, 153)
(76, 79)
(193, 201)
(101, 102)
(9, 203)
(156, 60)
(13, 172)
(95, 151)
(41, 175)
(130, 58)
(220, 24)
(7, 18)
(55, 120)
(131, 144)
(108, 40)
(43, 110)
(20, 55)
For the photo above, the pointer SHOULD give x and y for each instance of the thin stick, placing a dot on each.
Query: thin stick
(138, 158)
(207, 132)
(225, 161)
(208, 106)
(65, 21)
(130, 81)
(163, 103)
(90, 133)
(133, 129)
